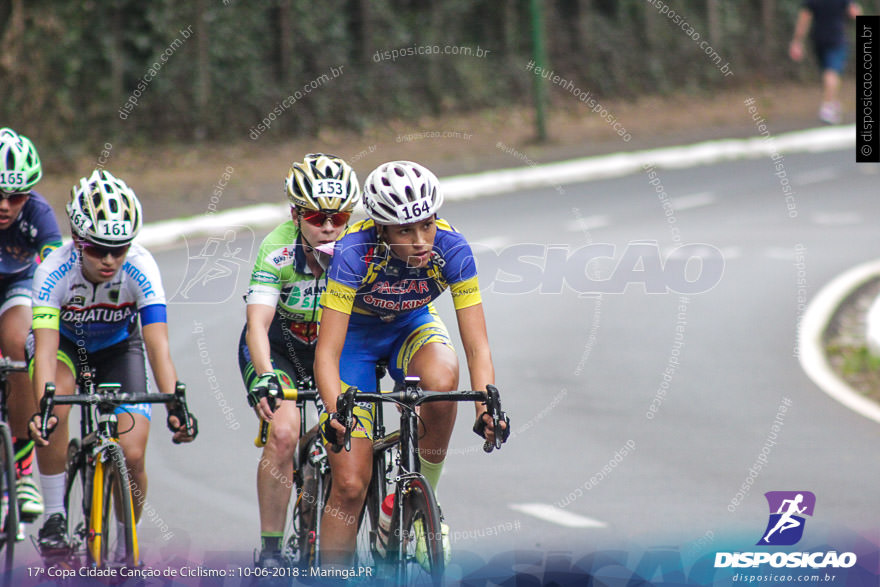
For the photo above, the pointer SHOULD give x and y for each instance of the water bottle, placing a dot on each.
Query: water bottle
(384, 524)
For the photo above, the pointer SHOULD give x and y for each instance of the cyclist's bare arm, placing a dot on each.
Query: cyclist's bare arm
(45, 370)
(159, 354)
(475, 341)
(334, 325)
(259, 319)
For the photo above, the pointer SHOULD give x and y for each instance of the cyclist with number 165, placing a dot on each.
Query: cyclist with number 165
(28, 233)
(97, 303)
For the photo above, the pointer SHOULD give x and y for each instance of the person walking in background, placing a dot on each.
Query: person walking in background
(828, 18)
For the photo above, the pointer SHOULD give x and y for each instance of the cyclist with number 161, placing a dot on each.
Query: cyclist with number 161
(98, 302)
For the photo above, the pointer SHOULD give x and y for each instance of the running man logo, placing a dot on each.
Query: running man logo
(212, 274)
(786, 524)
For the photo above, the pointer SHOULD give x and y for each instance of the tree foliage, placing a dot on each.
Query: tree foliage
(67, 69)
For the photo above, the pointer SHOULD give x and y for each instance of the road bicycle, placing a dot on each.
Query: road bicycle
(301, 543)
(97, 493)
(413, 548)
(9, 518)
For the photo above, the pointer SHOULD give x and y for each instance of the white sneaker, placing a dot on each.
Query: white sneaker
(829, 112)
(30, 502)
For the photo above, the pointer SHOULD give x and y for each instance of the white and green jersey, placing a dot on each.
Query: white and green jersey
(282, 279)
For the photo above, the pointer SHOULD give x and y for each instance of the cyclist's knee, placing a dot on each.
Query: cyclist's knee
(350, 489)
(440, 378)
(282, 440)
(135, 459)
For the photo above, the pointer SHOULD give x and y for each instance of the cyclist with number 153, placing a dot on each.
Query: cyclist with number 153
(277, 346)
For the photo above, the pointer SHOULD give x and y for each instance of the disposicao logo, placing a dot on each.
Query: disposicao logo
(787, 510)
(785, 528)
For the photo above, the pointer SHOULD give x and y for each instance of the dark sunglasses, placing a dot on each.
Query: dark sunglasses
(15, 198)
(316, 218)
(100, 251)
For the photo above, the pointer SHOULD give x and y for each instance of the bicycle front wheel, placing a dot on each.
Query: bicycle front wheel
(421, 559)
(77, 502)
(311, 495)
(113, 538)
(9, 508)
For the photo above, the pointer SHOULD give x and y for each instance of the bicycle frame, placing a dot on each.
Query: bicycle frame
(407, 475)
(99, 436)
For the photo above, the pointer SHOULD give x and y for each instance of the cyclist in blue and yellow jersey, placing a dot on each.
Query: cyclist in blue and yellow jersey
(28, 233)
(384, 274)
(98, 302)
(277, 345)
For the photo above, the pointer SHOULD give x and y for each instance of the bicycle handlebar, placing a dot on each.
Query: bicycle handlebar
(108, 396)
(412, 397)
(305, 395)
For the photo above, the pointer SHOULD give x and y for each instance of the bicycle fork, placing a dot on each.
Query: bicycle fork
(100, 460)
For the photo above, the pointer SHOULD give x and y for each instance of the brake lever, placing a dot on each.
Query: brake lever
(493, 407)
(47, 404)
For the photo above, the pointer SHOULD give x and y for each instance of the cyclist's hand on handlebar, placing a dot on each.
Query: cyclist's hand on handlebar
(485, 427)
(182, 433)
(265, 395)
(34, 425)
(333, 432)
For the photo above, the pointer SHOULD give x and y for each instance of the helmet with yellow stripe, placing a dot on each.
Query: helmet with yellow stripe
(104, 210)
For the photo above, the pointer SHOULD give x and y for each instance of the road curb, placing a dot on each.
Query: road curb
(502, 181)
(815, 321)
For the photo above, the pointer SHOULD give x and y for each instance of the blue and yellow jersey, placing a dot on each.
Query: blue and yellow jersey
(365, 278)
(31, 237)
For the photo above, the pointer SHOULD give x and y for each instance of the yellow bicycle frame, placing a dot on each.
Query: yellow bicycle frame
(95, 536)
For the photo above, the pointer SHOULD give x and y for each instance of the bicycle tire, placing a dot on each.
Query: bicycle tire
(307, 510)
(112, 505)
(366, 552)
(77, 502)
(9, 509)
(417, 566)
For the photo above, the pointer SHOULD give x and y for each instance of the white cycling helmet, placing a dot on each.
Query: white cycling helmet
(104, 210)
(20, 165)
(401, 192)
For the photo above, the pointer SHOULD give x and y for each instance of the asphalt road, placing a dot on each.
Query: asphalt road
(637, 416)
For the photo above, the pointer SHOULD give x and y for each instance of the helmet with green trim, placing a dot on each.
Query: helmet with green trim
(322, 182)
(401, 192)
(104, 210)
(20, 167)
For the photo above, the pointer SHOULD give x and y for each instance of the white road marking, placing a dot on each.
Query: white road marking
(587, 223)
(496, 243)
(836, 218)
(780, 254)
(810, 339)
(555, 515)
(815, 176)
(693, 201)
(727, 253)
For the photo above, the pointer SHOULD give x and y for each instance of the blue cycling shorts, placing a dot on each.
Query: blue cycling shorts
(370, 340)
